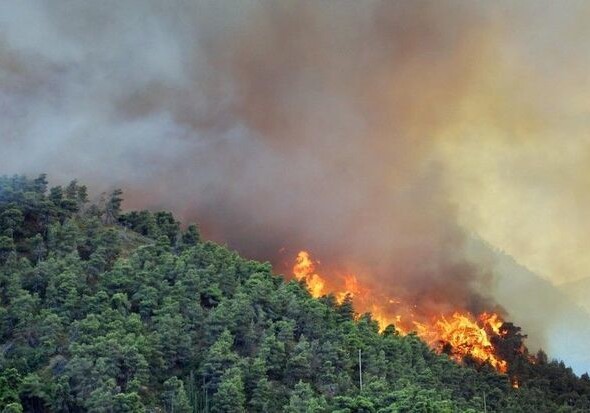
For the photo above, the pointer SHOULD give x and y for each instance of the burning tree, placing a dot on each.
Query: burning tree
(482, 339)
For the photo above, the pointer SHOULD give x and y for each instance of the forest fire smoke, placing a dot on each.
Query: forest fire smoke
(384, 129)
(459, 334)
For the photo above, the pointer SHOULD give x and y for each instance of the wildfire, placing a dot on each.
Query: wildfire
(493, 321)
(459, 334)
(304, 269)
(467, 338)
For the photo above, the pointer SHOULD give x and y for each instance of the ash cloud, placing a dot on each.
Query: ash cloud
(304, 125)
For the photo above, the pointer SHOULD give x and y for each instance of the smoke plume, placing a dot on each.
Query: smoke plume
(379, 135)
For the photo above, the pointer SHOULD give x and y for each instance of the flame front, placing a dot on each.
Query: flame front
(459, 334)
(468, 338)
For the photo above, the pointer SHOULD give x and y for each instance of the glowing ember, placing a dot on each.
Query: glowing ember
(459, 334)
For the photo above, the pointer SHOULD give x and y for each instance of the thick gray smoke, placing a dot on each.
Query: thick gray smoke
(304, 125)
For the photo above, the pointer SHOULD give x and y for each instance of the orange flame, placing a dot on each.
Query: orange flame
(467, 338)
(304, 269)
(461, 334)
(493, 321)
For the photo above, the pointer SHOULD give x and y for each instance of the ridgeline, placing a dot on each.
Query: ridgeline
(109, 311)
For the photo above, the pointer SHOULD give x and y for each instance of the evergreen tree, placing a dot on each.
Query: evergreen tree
(191, 236)
(134, 315)
(230, 396)
(113, 206)
(174, 397)
(303, 400)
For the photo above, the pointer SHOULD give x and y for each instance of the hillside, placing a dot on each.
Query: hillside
(111, 311)
(554, 321)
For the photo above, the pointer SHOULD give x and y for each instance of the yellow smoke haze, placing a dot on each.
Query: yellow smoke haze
(517, 149)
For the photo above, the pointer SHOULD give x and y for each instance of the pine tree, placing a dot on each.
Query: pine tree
(220, 357)
(191, 236)
(113, 206)
(230, 396)
(302, 400)
(174, 397)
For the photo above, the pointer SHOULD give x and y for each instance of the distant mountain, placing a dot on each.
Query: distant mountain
(552, 316)
(579, 291)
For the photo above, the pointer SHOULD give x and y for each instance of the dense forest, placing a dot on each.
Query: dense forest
(109, 311)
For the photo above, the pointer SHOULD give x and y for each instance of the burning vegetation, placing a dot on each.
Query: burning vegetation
(484, 338)
(105, 310)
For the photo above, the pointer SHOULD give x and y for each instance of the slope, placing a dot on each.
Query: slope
(168, 322)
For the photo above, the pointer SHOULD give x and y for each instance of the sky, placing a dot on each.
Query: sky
(382, 136)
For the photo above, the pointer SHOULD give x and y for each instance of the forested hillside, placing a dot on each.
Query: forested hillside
(105, 311)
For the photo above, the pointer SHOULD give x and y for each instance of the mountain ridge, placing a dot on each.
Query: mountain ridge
(110, 311)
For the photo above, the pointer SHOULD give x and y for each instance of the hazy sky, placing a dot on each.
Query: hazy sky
(380, 135)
